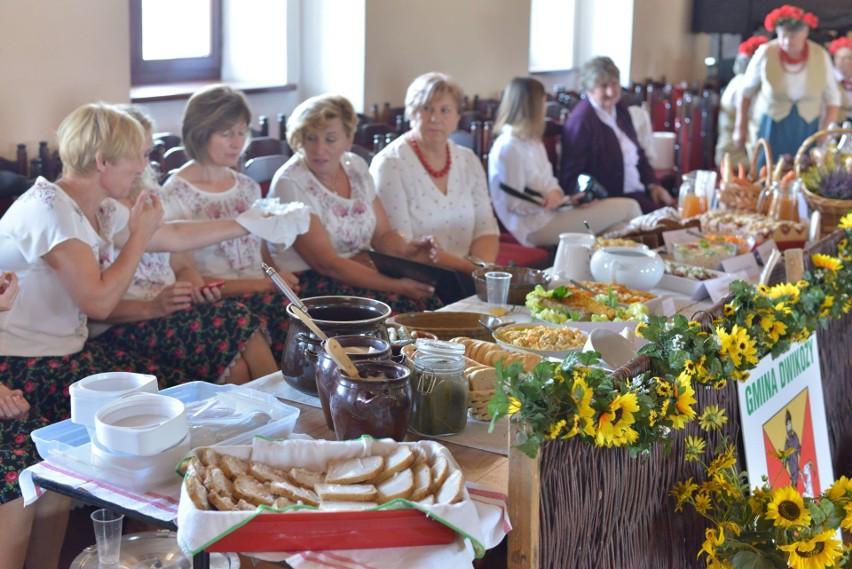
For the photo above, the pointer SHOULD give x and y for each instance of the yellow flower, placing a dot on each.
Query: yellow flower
(787, 508)
(827, 262)
(725, 459)
(694, 448)
(639, 328)
(712, 539)
(737, 345)
(582, 395)
(664, 388)
(760, 497)
(614, 426)
(556, 428)
(682, 492)
(712, 418)
(778, 329)
(514, 405)
(821, 551)
(841, 487)
(847, 521)
(825, 307)
(784, 290)
(728, 310)
(703, 504)
(683, 410)
(845, 221)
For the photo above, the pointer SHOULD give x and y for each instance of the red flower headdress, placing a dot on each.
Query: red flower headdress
(749, 46)
(838, 44)
(786, 15)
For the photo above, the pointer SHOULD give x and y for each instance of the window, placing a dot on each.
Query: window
(173, 41)
(551, 35)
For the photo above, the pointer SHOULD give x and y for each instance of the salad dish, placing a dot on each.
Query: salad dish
(543, 339)
(572, 304)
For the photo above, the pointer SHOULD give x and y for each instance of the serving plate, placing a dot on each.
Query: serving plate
(540, 330)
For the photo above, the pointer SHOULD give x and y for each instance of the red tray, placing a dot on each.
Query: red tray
(335, 530)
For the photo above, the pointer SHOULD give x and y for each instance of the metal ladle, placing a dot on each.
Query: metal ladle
(332, 346)
(593, 234)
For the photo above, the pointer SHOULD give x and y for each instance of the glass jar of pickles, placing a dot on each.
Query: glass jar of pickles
(439, 389)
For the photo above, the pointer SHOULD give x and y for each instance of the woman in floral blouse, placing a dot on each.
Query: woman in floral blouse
(215, 129)
(347, 217)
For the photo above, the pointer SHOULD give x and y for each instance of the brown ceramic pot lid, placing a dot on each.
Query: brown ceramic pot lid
(152, 550)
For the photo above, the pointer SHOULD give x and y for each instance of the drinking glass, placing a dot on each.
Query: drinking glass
(497, 291)
(108, 535)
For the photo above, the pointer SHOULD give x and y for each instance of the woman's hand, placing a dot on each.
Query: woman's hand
(172, 298)
(415, 289)
(660, 195)
(738, 138)
(554, 199)
(146, 215)
(12, 403)
(291, 280)
(8, 291)
(423, 250)
(207, 293)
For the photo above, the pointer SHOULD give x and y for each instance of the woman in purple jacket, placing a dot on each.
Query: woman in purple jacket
(598, 139)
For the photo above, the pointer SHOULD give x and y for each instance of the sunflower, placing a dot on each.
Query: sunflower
(826, 262)
(682, 492)
(825, 307)
(712, 418)
(787, 508)
(845, 221)
(847, 521)
(664, 388)
(683, 411)
(556, 428)
(582, 395)
(726, 459)
(514, 405)
(822, 550)
(703, 504)
(614, 425)
(738, 345)
(784, 290)
(713, 538)
(842, 487)
(694, 448)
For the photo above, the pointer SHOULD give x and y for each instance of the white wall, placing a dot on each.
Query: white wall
(663, 44)
(481, 43)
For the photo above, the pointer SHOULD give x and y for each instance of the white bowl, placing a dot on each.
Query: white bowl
(500, 338)
(615, 349)
(92, 392)
(631, 266)
(139, 472)
(141, 424)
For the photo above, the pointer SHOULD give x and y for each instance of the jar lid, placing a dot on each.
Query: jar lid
(439, 348)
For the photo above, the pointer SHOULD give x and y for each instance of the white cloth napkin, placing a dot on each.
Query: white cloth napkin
(276, 222)
(479, 519)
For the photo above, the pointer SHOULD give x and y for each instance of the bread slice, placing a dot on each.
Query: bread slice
(397, 461)
(419, 456)
(422, 482)
(440, 471)
(482, 379)
(197, 491)
(400, 485)
(222, 503)
(452, 489)
(208, 456)
(306, 478)
(216, 481)
(428, 500)
(354, 470)
(346, 492)
(295, 493)
(266, 473)
(347, 506)
(252, 491)
(282, 502)
(233, 466)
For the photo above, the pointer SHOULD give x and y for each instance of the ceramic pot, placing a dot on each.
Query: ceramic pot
(359, 349)
(336, 316)
(634, 268)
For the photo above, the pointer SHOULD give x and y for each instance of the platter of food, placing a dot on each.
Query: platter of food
(607, 302)
(686, 279)
(545, 340)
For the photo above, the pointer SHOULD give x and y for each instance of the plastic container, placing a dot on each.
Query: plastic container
(64, 436)
(94, 391)
(142, 424)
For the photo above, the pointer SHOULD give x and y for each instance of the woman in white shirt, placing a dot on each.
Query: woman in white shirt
(346, 216)
(54, 240)
(430, 186)
(518, 165)
(214, 132)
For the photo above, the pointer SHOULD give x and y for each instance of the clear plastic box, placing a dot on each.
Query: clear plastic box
(65, 436)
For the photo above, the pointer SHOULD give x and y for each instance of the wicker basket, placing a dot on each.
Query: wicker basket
(831, 210)
(745, 197)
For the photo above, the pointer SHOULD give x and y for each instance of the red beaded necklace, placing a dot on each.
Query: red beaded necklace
(432, 172)
(786, 60)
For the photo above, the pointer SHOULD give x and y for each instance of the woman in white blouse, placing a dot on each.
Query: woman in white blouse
(430, 186)
(347, 218)
(518, 165)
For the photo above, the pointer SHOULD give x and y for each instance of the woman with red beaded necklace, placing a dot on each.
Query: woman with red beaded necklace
(792, 78)
(430, 186)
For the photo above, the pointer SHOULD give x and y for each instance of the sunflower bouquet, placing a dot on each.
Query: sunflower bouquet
(763, 528)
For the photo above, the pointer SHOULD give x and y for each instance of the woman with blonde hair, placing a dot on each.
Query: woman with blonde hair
(525, 193)
(347, 217)
(428, 185)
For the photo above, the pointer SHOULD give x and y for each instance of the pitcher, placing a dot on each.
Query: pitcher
(783, 200)
(572, 257)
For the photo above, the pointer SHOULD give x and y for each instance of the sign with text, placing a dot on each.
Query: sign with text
(783, 421)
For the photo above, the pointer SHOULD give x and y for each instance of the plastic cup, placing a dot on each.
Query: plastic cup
(497, 290)
(108, 526)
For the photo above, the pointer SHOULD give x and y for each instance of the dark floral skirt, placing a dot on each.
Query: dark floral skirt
(314, 284)
(271, 308)
(201, 341)
(45, 381)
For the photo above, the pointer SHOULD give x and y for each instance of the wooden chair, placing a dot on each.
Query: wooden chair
(364, 134)
(173, 159)
(263, 168)
(364, 153)
(167, 139)
(12, 185)
(468, 118)
(552, 139)
(263, 146)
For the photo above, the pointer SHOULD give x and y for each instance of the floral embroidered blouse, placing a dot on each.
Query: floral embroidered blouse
(350, 223)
